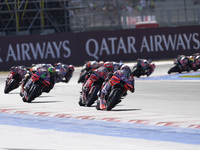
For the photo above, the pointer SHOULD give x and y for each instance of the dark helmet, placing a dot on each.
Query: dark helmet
(108, 65)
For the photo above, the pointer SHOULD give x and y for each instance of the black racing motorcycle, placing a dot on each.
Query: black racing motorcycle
(140, 69)
(179, 66)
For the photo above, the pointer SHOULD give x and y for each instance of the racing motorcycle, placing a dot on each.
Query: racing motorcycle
(34, 87)
(119, 87)
(13, 81)
(140, 69)
(180, 65)
(88, 97)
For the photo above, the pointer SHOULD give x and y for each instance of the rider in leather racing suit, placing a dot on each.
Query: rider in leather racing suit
(104, 72)
(64, 72)
(117, 65)
(34, 68)
(52, 73)
(126, 72)
(184, 62)
(149, 67)
(21, 70)
(91, 65)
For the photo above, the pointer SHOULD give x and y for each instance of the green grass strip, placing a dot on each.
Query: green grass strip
(190, 76)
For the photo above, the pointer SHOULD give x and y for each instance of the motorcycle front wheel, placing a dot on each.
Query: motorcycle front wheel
(93, 96)
(174, 69)
(113, 99)
(10, 86)
(34, 92)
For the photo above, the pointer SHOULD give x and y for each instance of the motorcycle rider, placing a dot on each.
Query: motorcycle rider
(184, 62)
(34, 68)
(148, 67)
(52, 73)
(117, 65)
(87, 67)
(125, 71)
(104, 72)
(21, 70)
(194, 61)
(101, 63)
(27, 85)
(64, 72)
(69, 69)
(91, 65)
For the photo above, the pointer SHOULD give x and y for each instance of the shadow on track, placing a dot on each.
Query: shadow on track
(125, 109)
(46, 101)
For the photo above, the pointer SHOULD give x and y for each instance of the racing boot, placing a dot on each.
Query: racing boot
(102, 104)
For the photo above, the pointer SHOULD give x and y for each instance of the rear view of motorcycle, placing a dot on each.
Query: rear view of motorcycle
(34, 87)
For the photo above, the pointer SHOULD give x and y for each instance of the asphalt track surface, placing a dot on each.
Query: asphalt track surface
(163, 113)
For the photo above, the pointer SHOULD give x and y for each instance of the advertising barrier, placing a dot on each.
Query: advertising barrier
(116, 45)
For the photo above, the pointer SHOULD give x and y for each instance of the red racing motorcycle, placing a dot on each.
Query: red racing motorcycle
(90, 96)
(34, 87)
(120, 84)
(13, 81)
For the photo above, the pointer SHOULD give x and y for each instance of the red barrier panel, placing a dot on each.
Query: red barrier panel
(147, 24)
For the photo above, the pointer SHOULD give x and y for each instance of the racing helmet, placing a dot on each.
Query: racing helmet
(71, 67)
(65, 68)
(126, 69)
(108, 65)
(52, 70)
(94, 64)
(44, 66)
(117, 65)
(12, 68)
(153, 66)
(101, 63)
